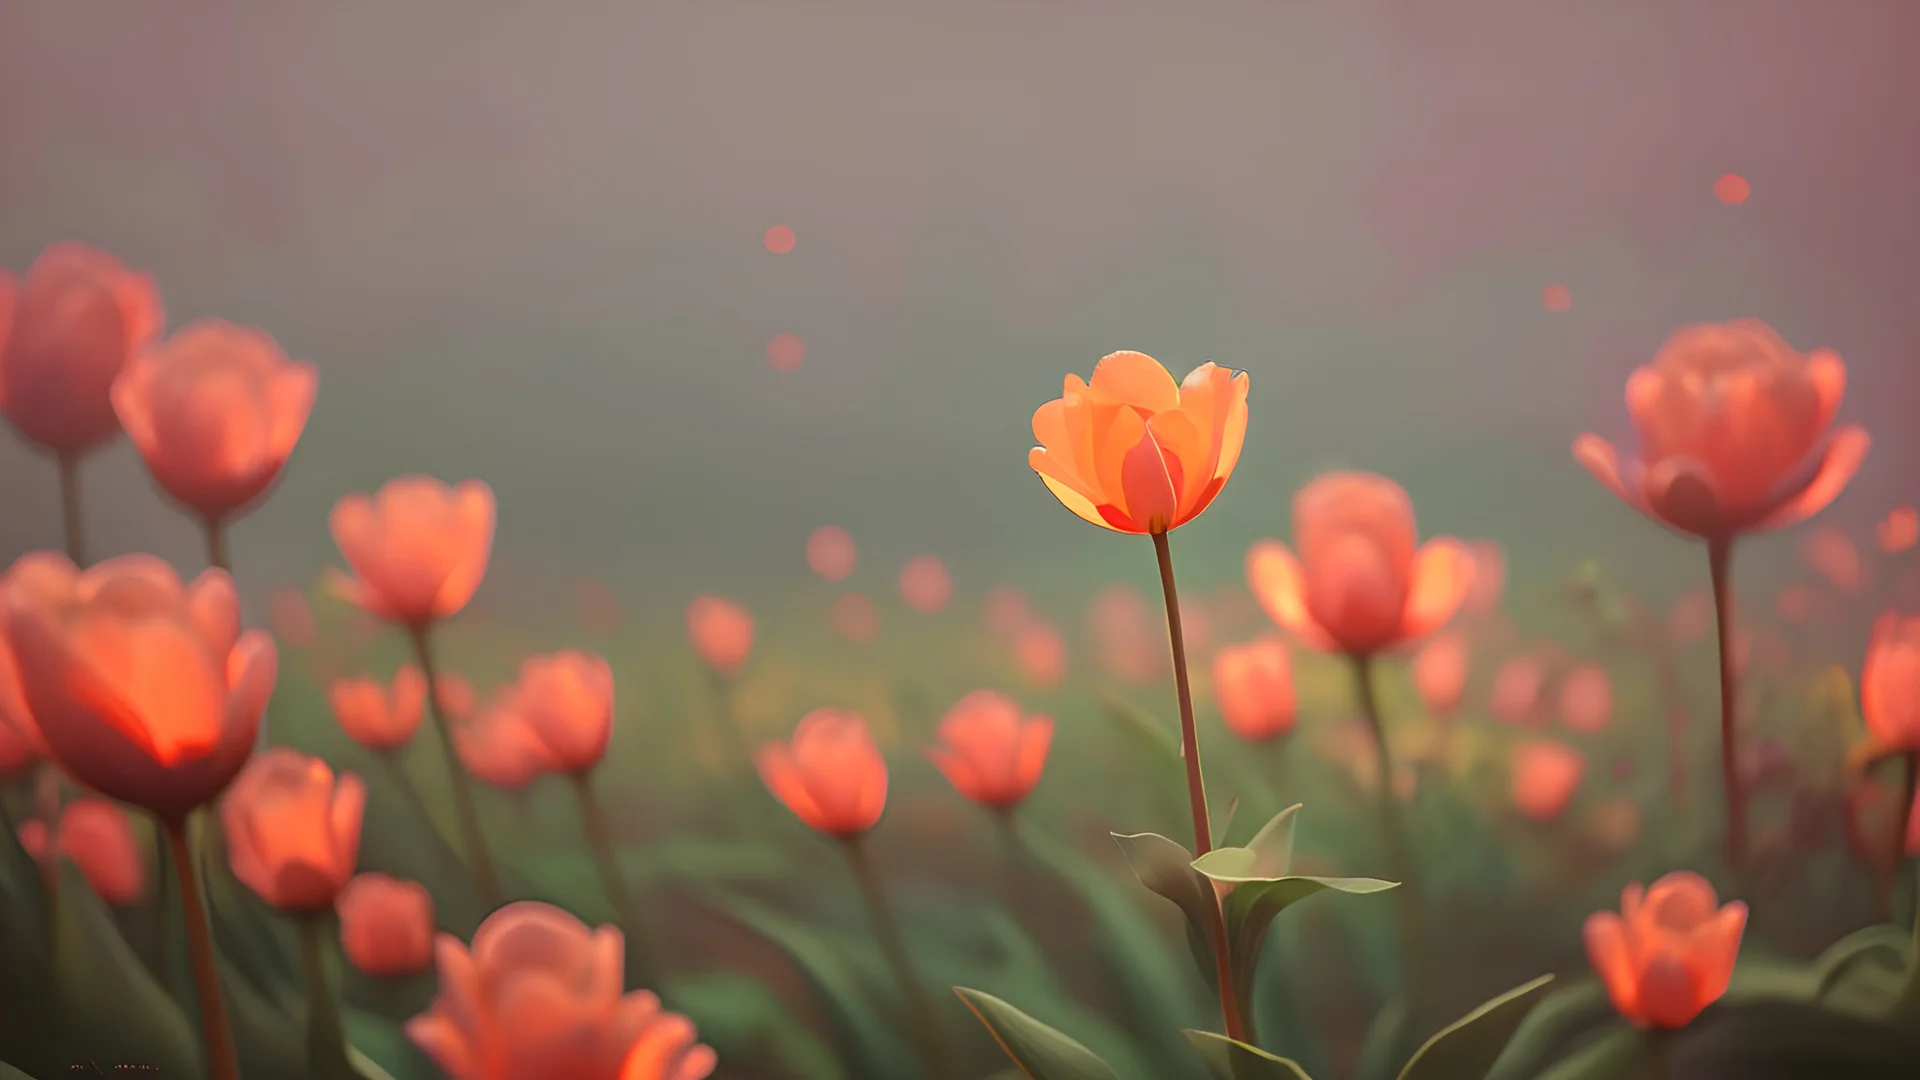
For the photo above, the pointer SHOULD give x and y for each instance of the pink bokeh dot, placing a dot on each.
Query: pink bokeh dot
(925, 584)
(1556, 297)
(855, 618)
(1732, 189)
(830, 552)
(786, 351)
(779, 239)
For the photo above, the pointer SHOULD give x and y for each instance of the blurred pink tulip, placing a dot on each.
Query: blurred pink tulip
(989, 751)
(855, 618)
(1834, 556)
(831, 553)
(1440, 673)
(98, 837)
(925, 584)
(386, 925)
(418, 548)
(1042, 655)
(566, 701)
(293, 829)
(721, 632)
(1586, 699)
(1545, 776)
(499, 748)
(1253, 687)
(378, 717)
(1516, 691)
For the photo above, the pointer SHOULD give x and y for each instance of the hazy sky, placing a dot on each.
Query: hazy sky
(522, 242)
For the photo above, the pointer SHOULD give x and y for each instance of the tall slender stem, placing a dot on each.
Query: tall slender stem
(887, 932)
(1016, 862)
(70, 516)
(1720, 564)
(326, 1035)
(222, 1062)
(1896, 841)
(476, 844)
(1197, 789)
(1399, 852)
(600, 842)
(217, 556)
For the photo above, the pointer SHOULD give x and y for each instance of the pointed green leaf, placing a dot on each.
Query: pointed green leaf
(1145, 728)
(1040, 1051)
(1850, 952)
(1469, 1046)
(1166, 868)
(106, 996)
(1231, 1060)
(1255, 902)
(8, 1072)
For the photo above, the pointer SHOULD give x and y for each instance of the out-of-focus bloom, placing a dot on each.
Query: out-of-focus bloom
(143, 689)
(293, 829)
(1794, 603)
(291, 617)
(1545, 776)
(215, 411)
(97, 836)
(19, 737)
(831, 775)
(1133, 451)
(1616, 823)
(1440, 673)
(380, 718)
(567, 702)
(1834, 556)
(418, 548)
(1042, 655)
(538, 997)
(989, 752)
(855, 618)
(1900, 530)
(1516, 691)
(1253, 686)
(1691, 618)
(499, 747)
(75, 321)
(1733, 427)
(1362, 582)
(386, 925)
(1006, 610)
(455, 695)
(1669, 953)
(1489, 576)
(831, 553)
(1890, 683)
(1131, 643)
(1586, 699)
(721, 632)
(925, 584)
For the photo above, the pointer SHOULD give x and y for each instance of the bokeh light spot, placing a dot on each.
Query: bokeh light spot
(855, 618)
(1556, 297)
(925, 584)
(779, 239)
(830, 552)
(1732, 189)
(786, 351)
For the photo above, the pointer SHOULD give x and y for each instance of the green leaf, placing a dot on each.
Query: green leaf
(105, 997)
(1269, 855)
(1166, 869)
(1845, 956)
(1384, 1045)
(1255, 902)
(1621, 1053)
(378, 1047)
(1150, 732)
(1231, 1060)
(1469, 1046)
(1793, 1038)
(1040, 1051)
(745, 1021)
(1573, 1012)
(8, 1072)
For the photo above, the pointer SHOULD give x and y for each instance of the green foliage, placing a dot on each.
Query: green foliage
(745, 1021)
(1470, 1045)
(8, 1072)
(1041, 1052)
(1231, 1060)
(109, 1007)
(1166, 869)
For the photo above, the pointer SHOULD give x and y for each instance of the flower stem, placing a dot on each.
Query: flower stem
(1197, 789)
(729, 721)
(1719, 564)
(476, 844)
(1399, 852)
(222, 1062)
(326, 1037)
(887, 933)
(1016, 863)
(217, 556)
(600, 841)
(1897, 833)
(70, 516)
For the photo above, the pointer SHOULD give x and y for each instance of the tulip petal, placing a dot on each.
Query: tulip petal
(1148, 485)
(1670, 995)
(1598, 456)
(1280, 585)
(1067, 491)
(289, 403)
(443, 1041)
(956, 770)
(783, 777)
(1442, 573)
(1841, 460)
(1829, 378)
(1605, 935)
(1716, 945)
(1683, 494)
(1035, 740)
(1136, 379)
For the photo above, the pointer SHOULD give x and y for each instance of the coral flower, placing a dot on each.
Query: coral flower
(386, 925)
(1253, 685)
(1440, 673)
(293, 829)
(1890, 684)
(1545, 776)
(418, 548)
(1733, 427)
(1489, 576)
(1133, 451)
(1042, 654)
(566, 700)
(721, 632)
(538, 997)
(1669, 953)
(831, 552)
(215, 412)
(1834, 556)
(925, 584)
(97, 836)
(1516, 691)
(1362, 582)
(1900, 530)
(1586, 699)
(76, 320)
(143, 689)
(455, 695)
(989, 752)
(19, 737)
(500, 748)
(380, 718)
(831, 775)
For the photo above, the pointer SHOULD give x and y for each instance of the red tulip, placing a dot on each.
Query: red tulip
(566, 700)
(418, 548)
(1586, 699)
(500, 748)
(215, 412)
(142, 689)
(1516, 691)
(538, 997)
(722, 633)
(97, 836)
(1734, 431)
(925, 584)
(1545, 776)
(1489, 576)
(75, 321)
(1042, 655)
(386, 925)
(455, 695)
(1669, 953)
(1890, 684)
(989, 752)
(1253, 685)
(378, 717)
(20, 744)
(1900, 530)
(831, 775)
(1440, 673)
(1362, 583)
(293, 830)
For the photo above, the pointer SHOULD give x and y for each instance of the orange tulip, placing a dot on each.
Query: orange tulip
(1489, 576)
(97, 836)
(831, 775)
(378, 717)
(1586, 699)
(215, 412)
(925, 584)
(19, 738)
(455, 694)
(293, 830)
(418, 548)
(1131, 450)
(538, 997)
(1890, 684)
(386, 925)
(75, 321)
(1440, 673)
(1900, 530)
(1834, 556)
(566, 700)
(500, 748)
(1042, 655)
(989, 753)
(1669, 953)
(1362, 582)
(722, 633)
(1545, 776)
(1733, 428)
(1253, 685)
(142, 689)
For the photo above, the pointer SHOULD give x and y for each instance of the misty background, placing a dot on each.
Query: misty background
(522, 242)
